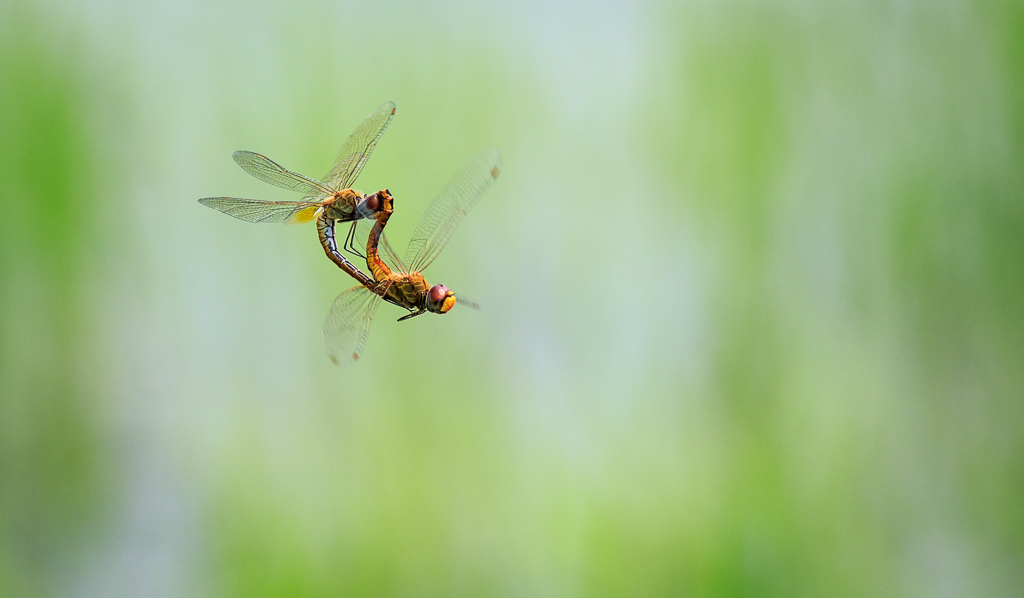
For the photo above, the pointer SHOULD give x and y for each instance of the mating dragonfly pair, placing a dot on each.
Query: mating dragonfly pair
(332, 200)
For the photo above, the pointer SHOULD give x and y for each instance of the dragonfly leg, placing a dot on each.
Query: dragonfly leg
(412, 315)
(349, 244)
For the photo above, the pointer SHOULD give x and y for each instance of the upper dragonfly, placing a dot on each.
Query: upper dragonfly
(328, 201)
(348, 323)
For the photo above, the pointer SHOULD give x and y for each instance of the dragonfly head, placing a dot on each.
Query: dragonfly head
(439, 299)
(370, 204)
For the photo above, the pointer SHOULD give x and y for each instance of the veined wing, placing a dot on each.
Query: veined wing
(358, 147)
(271, 172)
(444, 214)
(390, 256)
(255, 210)
(348, 324)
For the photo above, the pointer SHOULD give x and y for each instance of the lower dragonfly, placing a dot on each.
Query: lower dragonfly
(348, 323)
(328, 201)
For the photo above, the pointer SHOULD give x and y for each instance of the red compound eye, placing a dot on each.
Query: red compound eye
(437, 293)
(373, 203)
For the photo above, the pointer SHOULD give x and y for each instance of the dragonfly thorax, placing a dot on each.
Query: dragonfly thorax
(414, 293)
(408, 290)
(342, 205)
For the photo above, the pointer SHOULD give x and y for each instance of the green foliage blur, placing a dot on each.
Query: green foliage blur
(752, 285)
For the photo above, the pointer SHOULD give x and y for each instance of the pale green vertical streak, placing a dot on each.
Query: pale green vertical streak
(48, 435)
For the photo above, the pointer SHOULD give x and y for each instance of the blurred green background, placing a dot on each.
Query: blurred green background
(752, 286)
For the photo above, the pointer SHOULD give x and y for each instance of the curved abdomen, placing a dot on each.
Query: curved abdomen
(325, 229)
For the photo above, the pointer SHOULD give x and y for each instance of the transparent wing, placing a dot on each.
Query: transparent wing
(444, 214)
(390, 256)
(387, 254)
(255, 210)
(271, 172)
(358, 147)
(348, 324)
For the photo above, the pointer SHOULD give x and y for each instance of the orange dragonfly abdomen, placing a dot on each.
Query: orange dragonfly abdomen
(404, 289)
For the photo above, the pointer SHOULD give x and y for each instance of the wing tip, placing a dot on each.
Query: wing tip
(239, 155)
(342, 363)
(493, 156)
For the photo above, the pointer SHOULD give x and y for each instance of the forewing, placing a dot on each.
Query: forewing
(348, 324)
(444, 214)
(255, 210)
(358, 147)
(271, 172)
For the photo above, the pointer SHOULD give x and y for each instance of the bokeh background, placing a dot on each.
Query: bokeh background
(752, 286)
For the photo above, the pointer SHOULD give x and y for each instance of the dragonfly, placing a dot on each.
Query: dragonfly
(401, 282)
(328, 201)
